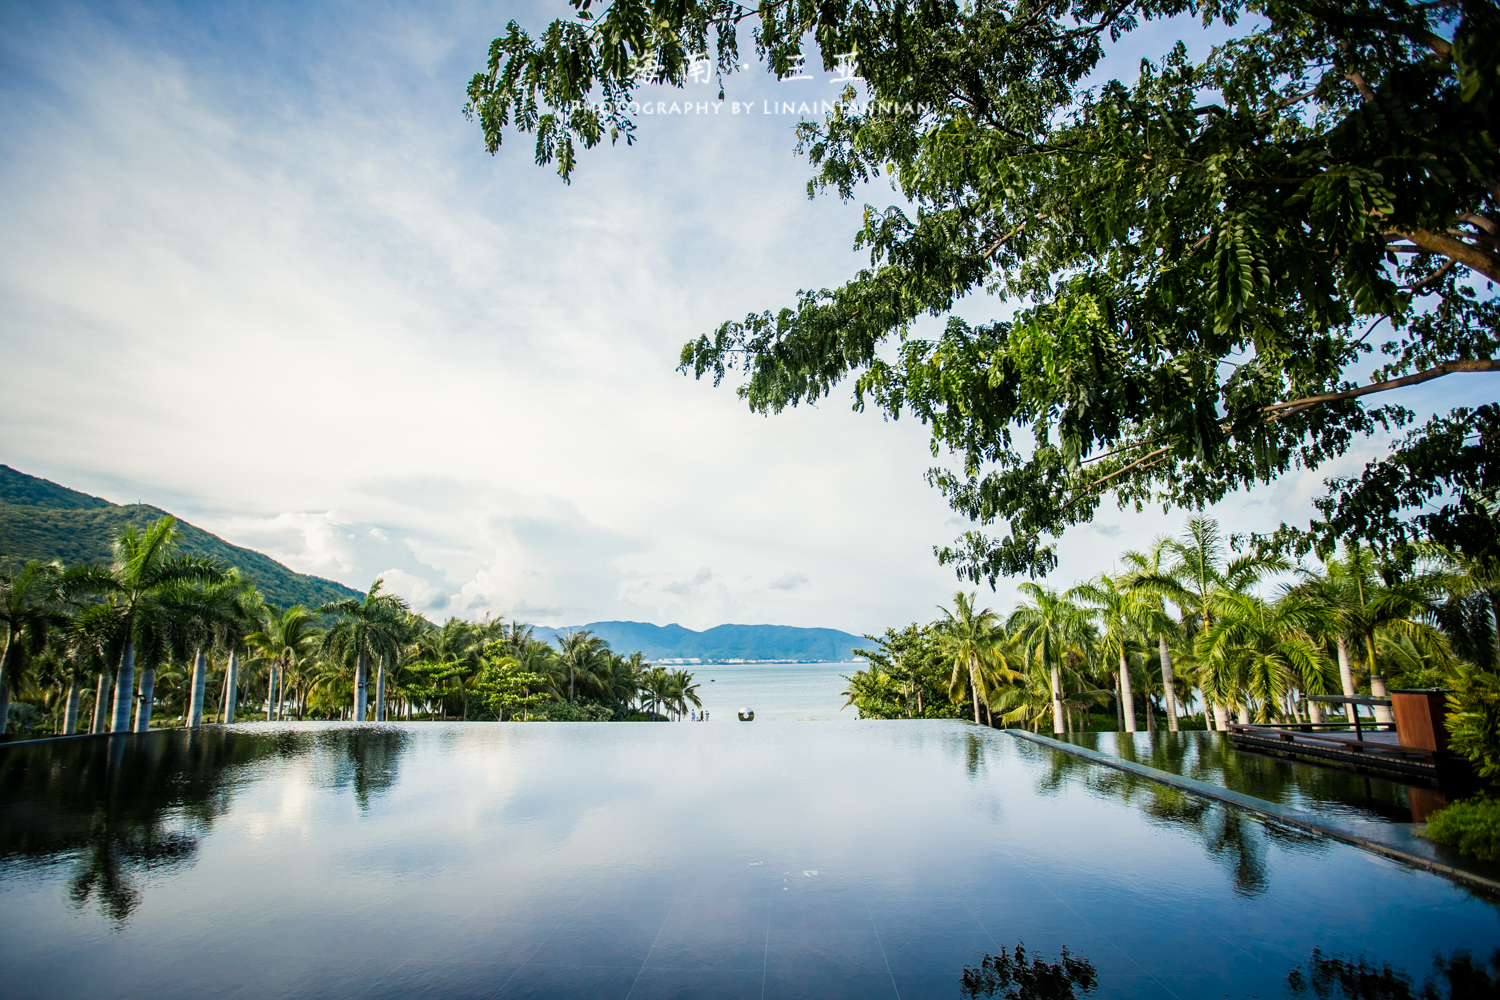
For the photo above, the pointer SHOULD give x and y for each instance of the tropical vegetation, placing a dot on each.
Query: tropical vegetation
(159, 637)
(1189, 634)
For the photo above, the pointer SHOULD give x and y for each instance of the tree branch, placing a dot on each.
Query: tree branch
(1487, 264)
(1446, 368)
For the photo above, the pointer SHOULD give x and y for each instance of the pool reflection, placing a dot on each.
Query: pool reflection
(609, 860)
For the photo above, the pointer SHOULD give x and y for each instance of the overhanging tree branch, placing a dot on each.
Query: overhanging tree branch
(1446, 368)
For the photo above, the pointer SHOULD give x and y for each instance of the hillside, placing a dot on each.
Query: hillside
(722, 642)
(41, 520)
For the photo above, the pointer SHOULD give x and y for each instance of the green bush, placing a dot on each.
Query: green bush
(1474, 718)
(645, 717)
(1472, 826)
(561, 711)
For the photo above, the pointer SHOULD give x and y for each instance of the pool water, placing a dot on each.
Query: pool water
(1322, 788)
(844, 859)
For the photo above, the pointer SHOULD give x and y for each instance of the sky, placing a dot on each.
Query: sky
(259, 271)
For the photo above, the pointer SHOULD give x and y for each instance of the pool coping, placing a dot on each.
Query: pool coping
(1402, 845)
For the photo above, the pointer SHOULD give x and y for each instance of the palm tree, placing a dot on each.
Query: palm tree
(578, 651)
(281, 642)
(31, 609)
(1049, 626)
(971, 638)
(1144, 568)
(1126, 614)
(1268, 647)
(146, 585)
(451, 655)
(372, 626)
(1201, 570)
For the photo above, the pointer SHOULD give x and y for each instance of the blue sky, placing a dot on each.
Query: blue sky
(260, 272)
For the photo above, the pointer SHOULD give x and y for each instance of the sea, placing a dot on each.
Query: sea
(777, 692)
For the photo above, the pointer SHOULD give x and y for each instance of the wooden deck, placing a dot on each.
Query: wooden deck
(1374, 749)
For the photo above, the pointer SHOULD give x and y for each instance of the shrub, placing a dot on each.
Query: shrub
(561, 711)
(1472, 826)
(1474, 718)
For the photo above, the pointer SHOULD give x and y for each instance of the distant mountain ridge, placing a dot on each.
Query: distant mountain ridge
(40, 519)
(722, 642)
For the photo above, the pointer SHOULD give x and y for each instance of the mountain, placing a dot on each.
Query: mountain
(722, 642)
(41, 520)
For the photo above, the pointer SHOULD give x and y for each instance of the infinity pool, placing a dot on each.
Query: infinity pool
(861, 859)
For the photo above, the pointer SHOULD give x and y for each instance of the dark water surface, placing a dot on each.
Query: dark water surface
(1321, 788)
(863, 859)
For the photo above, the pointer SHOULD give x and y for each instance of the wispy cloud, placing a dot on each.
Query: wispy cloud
(258, 271)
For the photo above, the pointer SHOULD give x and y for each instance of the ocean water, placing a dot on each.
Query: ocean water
(778, 692)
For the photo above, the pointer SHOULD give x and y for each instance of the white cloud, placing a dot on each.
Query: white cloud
(259, 272)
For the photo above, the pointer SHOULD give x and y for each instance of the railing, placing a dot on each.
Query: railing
(1355, 701)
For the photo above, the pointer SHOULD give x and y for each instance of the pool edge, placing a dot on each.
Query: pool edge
(1272, 810)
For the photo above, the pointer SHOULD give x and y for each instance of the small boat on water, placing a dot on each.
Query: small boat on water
(747, 715)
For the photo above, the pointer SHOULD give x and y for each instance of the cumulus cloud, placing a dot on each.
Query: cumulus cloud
(789, 581)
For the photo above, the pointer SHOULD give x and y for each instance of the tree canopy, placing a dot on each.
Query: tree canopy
(1189, 269)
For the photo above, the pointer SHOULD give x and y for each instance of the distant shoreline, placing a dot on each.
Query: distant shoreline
(697, 662)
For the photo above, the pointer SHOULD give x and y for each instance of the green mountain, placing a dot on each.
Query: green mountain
(41, 520)
(722, 642)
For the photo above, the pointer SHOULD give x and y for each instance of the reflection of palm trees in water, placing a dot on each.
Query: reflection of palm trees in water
(112, 848)
(1037, 979)
(367, 760)
(1456, 977)
(1233, 838)
(122, 805)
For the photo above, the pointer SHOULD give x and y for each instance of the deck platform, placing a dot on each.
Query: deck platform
(1373, 749)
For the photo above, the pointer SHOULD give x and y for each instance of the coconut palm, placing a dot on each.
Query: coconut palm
(1201, 570)
(578, 652)
(1126, 614)
(32, 610)
(281, 642)
(1142, 569)
(1268, 647)
(364, 628)
(1050, 625)
(972, 639)
(451, 658)
(146, 584)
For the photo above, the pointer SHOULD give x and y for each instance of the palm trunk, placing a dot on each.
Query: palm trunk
(1119, 706)
(101, 703)
(6, 660)
(1169, 694)
(974, 690)
(199, 690)
(70, 713)
(360, 692)
(1314, 712)
(1125, 695)
(380, 694)
(1346, 678)
(1057, 707)
(124, 686)
(148, 698)
(1209, 720)
(1244, 715)
(231, 686)
(1377, 690)
(1221, 718)
(271, 694)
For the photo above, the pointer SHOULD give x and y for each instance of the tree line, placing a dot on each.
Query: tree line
(1184, 636)
(159, 637)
